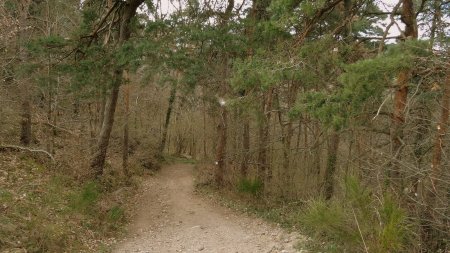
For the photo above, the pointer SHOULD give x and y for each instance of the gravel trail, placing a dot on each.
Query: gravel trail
(172, 218)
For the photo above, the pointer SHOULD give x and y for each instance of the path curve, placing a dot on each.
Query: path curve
(172, 218)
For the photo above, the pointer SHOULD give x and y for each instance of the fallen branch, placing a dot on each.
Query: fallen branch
(58, 128)
(19, 148)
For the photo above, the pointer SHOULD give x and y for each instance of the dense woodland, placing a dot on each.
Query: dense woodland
(341, 105)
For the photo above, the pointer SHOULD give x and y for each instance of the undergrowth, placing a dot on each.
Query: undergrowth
(358, 222)
(243, 199)
(44, 210)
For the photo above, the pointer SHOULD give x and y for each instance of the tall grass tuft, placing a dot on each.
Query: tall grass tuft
(252, 186)
(85, 200)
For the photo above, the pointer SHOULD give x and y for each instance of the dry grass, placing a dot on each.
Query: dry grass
(44, 209)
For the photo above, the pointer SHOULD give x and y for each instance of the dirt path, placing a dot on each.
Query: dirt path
(172, 218)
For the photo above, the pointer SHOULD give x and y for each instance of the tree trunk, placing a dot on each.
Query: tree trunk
(333, 147)
(25, 123)
(205, 154)
(91, 126)
(400, 99)
(49, 130)
(128, 11)
(25, 134)
(101, 112)
(288, 134)
(98, 160)
(433, 223)
(125, 147)
(221, 147)
(172, 97)
(246, 147)
(436, 22)
(423, 126)
(264, 170)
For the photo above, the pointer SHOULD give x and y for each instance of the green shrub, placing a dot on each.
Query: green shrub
(358, 221)
(252, 186)
(393, 233)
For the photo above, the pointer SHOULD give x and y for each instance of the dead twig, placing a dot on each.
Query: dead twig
(360, 233)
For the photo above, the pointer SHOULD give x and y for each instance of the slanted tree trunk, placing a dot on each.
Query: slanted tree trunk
(98, 160)
(162, 145)
(128, 10)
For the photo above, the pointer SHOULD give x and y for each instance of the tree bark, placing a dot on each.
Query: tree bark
(288, 134)
(101, 112)
(98, 160)
(222, 127)
(128, 10)
(400, 98)
(125, 147)
(222, 145)
(333, 147)
(436, 21)
(433, 223)
(246, 147)
(26, 106)
(264, 170)
(25, 134)
(91, 126)
(205, 154)
(162, 145)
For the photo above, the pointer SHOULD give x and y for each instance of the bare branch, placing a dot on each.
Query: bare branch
(20, 148)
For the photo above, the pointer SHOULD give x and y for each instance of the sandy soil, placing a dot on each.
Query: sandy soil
(172, 218)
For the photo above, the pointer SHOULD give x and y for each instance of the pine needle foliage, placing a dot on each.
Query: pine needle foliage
(361, 83)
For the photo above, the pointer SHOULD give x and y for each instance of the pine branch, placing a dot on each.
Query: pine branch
(102, 21)
(312, 22)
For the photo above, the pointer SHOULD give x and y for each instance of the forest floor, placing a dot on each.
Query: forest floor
(171, 217)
